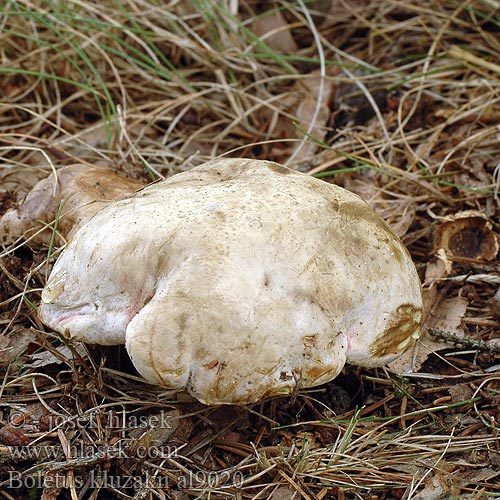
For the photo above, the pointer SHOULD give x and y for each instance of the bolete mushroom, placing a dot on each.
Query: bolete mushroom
(236, 280)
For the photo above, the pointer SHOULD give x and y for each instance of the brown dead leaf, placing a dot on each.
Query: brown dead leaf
(45, 358)
(307, 109)
(283, 493)
(439, 485)
(272, 28)
(12, 346)
(54, 483)
(495, 304)
(19, 179)
(443, 484)
(13, 437)
(158, 427)
(439, 313)
(475, 477)
(300, 106)
(447, 316)
(460, 393)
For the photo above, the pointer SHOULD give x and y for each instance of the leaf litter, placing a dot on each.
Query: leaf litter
(406, 115)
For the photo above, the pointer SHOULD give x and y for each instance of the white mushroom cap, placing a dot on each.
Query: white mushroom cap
(237, 280)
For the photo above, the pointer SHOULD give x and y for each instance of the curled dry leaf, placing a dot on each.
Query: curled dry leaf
(19, 179)
(13, 437)
(272, 28)
(82, 189)
(466, 234)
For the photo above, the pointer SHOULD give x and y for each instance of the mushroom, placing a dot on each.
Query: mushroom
(466, 234)
(237, 280)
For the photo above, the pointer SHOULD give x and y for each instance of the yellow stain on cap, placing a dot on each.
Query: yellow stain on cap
(401, 332)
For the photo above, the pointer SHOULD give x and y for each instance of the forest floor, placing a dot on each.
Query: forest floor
(395, 101)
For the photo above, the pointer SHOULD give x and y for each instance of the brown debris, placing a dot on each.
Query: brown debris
(495, 304)
(273, 30)
(13, 437)
(466, 234)
(78, 192)
(14, 345)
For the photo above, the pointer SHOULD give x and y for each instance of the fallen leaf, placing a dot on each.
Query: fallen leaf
(495, 304)
(53, 484)
(13, 345)
(448, 315)
(460, 393)
(474, 477)
(272, 28)
(158, 427)
(13, 437)
(439, 313)
(283, 493)
(19, 179)
(45, 358)
(315, 97)
(438, 486)
(299, 112)
(438, 267)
